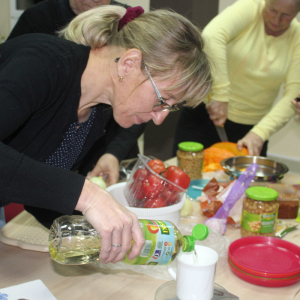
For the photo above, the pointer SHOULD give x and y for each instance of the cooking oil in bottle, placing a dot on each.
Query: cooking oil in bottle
(74, 241)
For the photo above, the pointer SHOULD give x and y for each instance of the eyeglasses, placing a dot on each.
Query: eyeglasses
(162, 105)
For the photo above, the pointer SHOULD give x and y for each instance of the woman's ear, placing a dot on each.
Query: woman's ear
(130, 62)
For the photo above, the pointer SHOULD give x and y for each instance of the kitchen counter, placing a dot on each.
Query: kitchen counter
(85, 282)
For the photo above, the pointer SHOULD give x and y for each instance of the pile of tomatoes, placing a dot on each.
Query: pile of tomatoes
(151, 191)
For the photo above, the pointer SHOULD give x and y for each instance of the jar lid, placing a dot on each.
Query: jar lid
(261, 193)
(200, 232)
(190, 146)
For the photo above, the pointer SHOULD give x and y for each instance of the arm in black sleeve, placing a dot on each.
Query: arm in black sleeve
(125, 140)
(26, 181)
(26, 85)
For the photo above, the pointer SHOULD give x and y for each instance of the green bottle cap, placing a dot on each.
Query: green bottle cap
(189, 243)
(261, 193)
(200, 232)
(190, 146)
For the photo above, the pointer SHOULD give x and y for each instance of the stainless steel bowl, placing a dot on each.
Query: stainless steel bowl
(268, 170)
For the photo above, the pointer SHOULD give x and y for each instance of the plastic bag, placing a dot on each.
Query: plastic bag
(168, 192)
(219, 221)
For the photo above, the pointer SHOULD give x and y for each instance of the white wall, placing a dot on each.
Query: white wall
(284, 145)
(4, 19)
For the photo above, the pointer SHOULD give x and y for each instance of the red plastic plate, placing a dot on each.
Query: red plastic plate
(265, 256)
(262, 281)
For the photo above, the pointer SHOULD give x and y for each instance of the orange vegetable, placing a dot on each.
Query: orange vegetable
(219, 151)
(213, 157)
(231, 147)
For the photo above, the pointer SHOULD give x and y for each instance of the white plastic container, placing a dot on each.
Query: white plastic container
(168, 213)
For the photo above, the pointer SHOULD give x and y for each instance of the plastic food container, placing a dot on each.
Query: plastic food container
(158, 191)
(259, 214)
(168, 213)
(190, 159)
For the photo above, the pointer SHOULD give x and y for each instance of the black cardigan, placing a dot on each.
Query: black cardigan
(40, 79)
(48, 17)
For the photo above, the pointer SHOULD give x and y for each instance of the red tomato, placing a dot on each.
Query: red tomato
(169, 170)
(178, 177)
(152, 186)
(140, 174)
(155, 202)
(156, 165)
(136, 189)
(170, 195)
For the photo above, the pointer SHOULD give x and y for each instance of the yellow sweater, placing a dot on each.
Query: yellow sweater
(250, 67)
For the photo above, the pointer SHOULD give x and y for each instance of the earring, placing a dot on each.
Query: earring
(120, 78)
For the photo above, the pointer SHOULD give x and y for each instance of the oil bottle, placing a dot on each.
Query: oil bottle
(73, 241)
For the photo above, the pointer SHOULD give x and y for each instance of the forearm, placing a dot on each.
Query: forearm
(279, 115)
(29, 182)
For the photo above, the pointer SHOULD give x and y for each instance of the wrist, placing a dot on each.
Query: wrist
(86, 198)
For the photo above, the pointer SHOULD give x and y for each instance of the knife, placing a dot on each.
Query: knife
(222, 133)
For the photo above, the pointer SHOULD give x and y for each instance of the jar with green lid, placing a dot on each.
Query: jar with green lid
(260, 210)
(190, 159)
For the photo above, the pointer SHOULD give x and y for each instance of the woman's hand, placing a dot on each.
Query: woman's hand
(297, 105)
(115, 224)
(252, 142)
(217, 111)
(107, 165)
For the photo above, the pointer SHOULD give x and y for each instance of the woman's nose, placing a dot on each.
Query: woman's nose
(158, 117)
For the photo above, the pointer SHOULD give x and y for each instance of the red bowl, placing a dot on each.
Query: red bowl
(263, 281)
(265, 256)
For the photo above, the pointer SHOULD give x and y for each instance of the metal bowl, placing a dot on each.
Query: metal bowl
(268, 170)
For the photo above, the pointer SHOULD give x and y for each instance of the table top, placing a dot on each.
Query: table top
(86, 282)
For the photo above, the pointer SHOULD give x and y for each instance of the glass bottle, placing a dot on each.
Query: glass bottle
(190, 159)
(73, 241)
(260, 210)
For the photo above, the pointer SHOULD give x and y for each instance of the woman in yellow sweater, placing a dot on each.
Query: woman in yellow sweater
(255, 46)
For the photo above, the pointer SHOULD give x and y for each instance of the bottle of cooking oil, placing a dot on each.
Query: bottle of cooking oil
(73, 241)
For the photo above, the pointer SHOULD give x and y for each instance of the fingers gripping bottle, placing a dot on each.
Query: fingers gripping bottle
(73, 241)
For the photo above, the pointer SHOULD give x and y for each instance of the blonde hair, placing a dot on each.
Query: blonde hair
(172, 47)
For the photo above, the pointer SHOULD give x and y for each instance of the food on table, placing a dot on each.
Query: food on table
(219, 151)
(190, 159)
(212, 198)
(153, 185)
(99, 181)
(157, 165)
(187, 208)
(259, 215)
(288, 200)
(73, 241)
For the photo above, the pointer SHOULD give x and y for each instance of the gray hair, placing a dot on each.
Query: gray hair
(172, 47)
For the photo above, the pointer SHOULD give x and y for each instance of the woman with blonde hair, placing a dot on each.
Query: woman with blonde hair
(255, 45)
(56, 96)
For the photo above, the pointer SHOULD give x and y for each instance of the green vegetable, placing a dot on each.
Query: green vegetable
(99, 181)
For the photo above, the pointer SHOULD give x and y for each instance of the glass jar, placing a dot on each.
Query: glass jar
(190, 159)
(260, 210)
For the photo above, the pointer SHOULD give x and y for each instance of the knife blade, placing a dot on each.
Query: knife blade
(222, 133)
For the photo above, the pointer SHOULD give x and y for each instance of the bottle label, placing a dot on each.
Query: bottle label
(159, 245)
(261, 223)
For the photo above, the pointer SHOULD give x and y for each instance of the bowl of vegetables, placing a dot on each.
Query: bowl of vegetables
(153, 191)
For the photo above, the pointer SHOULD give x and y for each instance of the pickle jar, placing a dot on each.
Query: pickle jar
(260, 211)
(190, 159)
